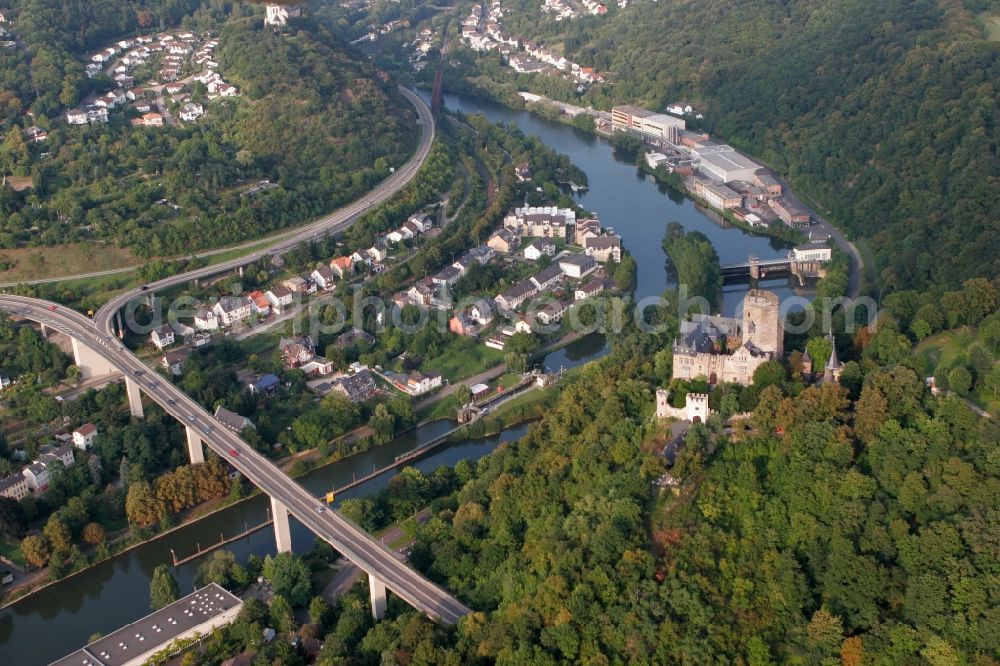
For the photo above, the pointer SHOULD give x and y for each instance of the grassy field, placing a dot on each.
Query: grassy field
(31, 263)
(991, 23)
(464, 357)
(944, 350)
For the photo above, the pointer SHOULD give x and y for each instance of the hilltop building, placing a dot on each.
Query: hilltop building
(729, 349)
(278, 15)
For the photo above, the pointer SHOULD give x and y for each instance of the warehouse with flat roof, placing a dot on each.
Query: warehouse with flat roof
(725, 163)
(200, 612)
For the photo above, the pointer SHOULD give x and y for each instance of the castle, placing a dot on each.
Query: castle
(703, 348)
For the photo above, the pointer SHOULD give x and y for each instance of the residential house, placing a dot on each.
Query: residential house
(482, 310)
(421, 221)
(589, 228)
(77, 117)
(279, 297)
(604, 248)
(317, 366)
(342, 266)
(232, 310)
(592, 288)
(513, 297)
(379, 251)
(354, 336)
(97, 114)
(162, 337)
(259, 304)
(523, 172)
(547, 278)
(357, 387)
(143, 107)
(359, 257)
(481, 253)
(36, 134)
(296, 352)
(191, 111)
(539, 247)
(448, 275)
(553, 312)
(37, 477)
(462, 324)
(547, 221)
(296, 285)
(577, 265)
(206, 320)
(151, 120)
(504, 241)
(412, 227)
(419, 383)
(15, 487)
(265, 385)
(324, 277)
(63, 455)
(83, 437)
(173, 361)
(397, 235)
(231, 420)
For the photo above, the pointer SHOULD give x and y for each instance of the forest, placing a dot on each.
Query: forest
(883, 113)
(322, 126)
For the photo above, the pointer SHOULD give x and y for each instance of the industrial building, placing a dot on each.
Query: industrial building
(200, 612)
(724, 163)
(646, 124)
(717, 195)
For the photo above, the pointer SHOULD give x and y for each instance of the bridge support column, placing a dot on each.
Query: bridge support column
(376, 589)
(134, 398)
(45, 331)
(121, 327)
(91, 363)
(282, 530)
(195, 453)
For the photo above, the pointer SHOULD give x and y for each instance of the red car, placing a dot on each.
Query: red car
(52, 307)
(234, 452)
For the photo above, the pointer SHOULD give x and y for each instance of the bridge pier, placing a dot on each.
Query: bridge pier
(134, 398)
(282, 530)
(90, 362)
(195, 453)
(376, 589)
(120, 328)
(44, 331)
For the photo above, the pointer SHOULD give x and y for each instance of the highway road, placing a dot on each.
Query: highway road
(336, 221)
(347, 538)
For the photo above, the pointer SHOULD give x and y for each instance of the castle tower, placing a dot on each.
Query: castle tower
(807, 366)
(762, 322)
(831, 373)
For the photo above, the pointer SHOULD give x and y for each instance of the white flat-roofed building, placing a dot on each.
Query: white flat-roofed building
(723, 162)
(199, 613)
(813, 251)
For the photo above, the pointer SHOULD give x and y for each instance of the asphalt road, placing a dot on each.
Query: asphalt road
(366, 553)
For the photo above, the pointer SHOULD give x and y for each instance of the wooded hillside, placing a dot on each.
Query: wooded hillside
(886, 112)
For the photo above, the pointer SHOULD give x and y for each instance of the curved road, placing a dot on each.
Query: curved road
(347, 538)
(335, 221)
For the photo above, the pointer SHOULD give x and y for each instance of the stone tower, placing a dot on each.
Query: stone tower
(762, 322)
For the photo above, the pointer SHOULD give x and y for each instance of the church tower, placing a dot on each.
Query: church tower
(762, 322)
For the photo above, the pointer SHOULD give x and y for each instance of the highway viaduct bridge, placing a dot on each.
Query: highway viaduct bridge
(97, 351)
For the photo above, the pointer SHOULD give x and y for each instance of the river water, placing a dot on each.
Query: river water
(60, 618)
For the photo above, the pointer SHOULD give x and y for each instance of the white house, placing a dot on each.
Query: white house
(279, 297)
(191, 112)
(419, 383)
(205, 320)
(83, 437)
(324, 277)
(37, 477)
(422, 221)
(577, 265)
(378, 252)
(232, 310)
(812, 251)
(539, 247)
(173, 361)
(162, 337)
(77, 117)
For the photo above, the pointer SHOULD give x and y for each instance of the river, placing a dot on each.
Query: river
(636, 206)
(60, 618)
